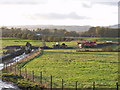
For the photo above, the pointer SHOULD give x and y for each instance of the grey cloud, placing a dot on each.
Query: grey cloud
(72, 15)
(23, 1)
(86, 5)
(102, 2)
(109, 3)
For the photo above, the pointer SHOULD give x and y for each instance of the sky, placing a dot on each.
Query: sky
(59, 12)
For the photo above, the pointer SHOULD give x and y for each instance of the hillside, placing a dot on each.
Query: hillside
(69, 28)
(115, 26)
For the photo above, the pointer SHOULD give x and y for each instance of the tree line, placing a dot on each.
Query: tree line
(57, 34)
(39, 34)
(101, 32)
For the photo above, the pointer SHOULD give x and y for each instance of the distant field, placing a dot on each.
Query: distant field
(7, 41)
(84, 67)
(97, 38)
(12, 41)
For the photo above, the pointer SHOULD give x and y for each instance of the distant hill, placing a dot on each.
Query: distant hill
(115, 26)
(68, 28)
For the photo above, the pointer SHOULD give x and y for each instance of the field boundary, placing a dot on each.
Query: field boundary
(98, 51)
(30, 75)
(29, 58)
(14, 72)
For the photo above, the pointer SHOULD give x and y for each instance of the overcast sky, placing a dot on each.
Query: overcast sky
(59, 12)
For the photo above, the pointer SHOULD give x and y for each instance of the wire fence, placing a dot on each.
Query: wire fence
(49, 82)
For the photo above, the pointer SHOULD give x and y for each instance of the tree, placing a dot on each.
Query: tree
(24, 36)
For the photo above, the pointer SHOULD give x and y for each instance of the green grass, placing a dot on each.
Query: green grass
(20, 81)
(84, 67)
(12, 41)
(97, 38)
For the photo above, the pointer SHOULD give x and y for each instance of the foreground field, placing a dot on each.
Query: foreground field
(84, 67)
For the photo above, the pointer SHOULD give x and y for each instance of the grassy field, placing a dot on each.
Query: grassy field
(16, 41)
(97, 38)
(67, 64)
(84, 67)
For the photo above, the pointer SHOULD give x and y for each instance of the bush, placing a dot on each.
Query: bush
(11, 77)
(20, 81)
(107, 49)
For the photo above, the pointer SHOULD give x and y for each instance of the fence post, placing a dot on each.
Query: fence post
(93, 85)
(15, 69)
(20, 71)
(17, 62)
(5, 66)
(76, 85)
(8, 68)
(41, 77)
(62, 84)
(51, 82)
(25, 72)
(11, 68)
(117, 86)
(33, 76)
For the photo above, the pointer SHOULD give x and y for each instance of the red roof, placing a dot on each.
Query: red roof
(87, 43)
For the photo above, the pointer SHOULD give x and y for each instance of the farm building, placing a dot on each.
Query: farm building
(86, 44)
(91, 44)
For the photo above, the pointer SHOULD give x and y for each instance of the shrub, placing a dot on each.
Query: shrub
(20, 81)
(107, 49)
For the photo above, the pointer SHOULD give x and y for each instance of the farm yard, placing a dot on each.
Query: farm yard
(72, 66)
